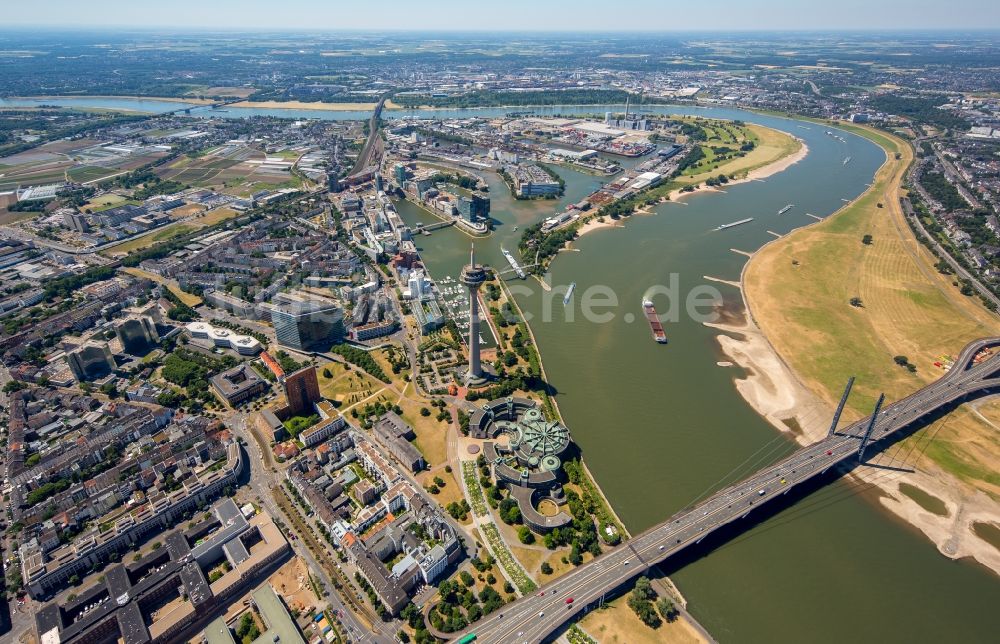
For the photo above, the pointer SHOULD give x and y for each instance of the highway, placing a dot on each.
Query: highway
(537, 617)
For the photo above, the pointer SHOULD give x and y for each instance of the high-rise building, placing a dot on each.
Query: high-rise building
(399, 174)
(302, 391)
(308, 325)
(416, 284)
(333, 182)
(423, 184)
(90, 361)
(138, 335)
(473, 277)
(475, 208)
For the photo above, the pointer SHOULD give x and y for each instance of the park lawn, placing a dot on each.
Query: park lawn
(530, 558)
(616, 623)
(451, 492)
(559, 568)
(909, 309)
(771, 145)
(104, 202)
(432, 434)
(346, 387)
(187, 298)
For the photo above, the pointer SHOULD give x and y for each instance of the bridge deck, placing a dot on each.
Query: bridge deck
(534, 618)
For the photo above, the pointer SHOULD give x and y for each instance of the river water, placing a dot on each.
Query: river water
(659, 426)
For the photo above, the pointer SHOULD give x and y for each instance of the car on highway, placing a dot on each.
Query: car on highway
(829, 452)
(569, 600)
(761, 493)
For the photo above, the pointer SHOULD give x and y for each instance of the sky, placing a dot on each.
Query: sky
(503, 15)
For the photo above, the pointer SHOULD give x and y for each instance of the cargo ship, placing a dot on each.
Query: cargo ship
(786, 209)
(847, 160)
(654, 322)
(569, 293)
(734, 223)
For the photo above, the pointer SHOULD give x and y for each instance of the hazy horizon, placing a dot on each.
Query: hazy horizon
(641, 16)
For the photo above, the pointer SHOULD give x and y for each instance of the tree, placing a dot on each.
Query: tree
(525, 535)
(902, 361)
(425, 412)
(327, 373)
(667, 609)
(856, 302)
(867, 240)
(466, 578)
(546, 568)
(438, 481)
(643, 588)
(644, 609)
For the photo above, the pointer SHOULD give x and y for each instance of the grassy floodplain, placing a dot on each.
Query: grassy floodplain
(799, 290)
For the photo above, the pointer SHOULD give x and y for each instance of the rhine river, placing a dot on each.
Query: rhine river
(659, 426)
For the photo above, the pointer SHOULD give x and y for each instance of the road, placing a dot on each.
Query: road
(946, 256)
(263, 481)
(537, 617)
(912, 216)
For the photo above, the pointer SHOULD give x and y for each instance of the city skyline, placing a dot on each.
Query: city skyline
(517, 15)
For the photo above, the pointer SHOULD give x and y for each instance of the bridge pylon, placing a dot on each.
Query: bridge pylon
(869, 429)
(840, 407)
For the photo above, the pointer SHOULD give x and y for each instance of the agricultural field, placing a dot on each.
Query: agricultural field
(229, 166)
(82, 161)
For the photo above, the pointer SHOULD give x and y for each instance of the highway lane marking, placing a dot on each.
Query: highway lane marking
(903, 415)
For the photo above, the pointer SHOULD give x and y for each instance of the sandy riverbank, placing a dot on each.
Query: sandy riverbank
(678, 195)
(757, 174)
(778, 394)
(317, 105)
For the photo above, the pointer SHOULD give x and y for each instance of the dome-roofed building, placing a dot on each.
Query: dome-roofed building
(526, 455)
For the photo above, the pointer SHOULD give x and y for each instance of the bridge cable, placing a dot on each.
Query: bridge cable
(748, 464)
